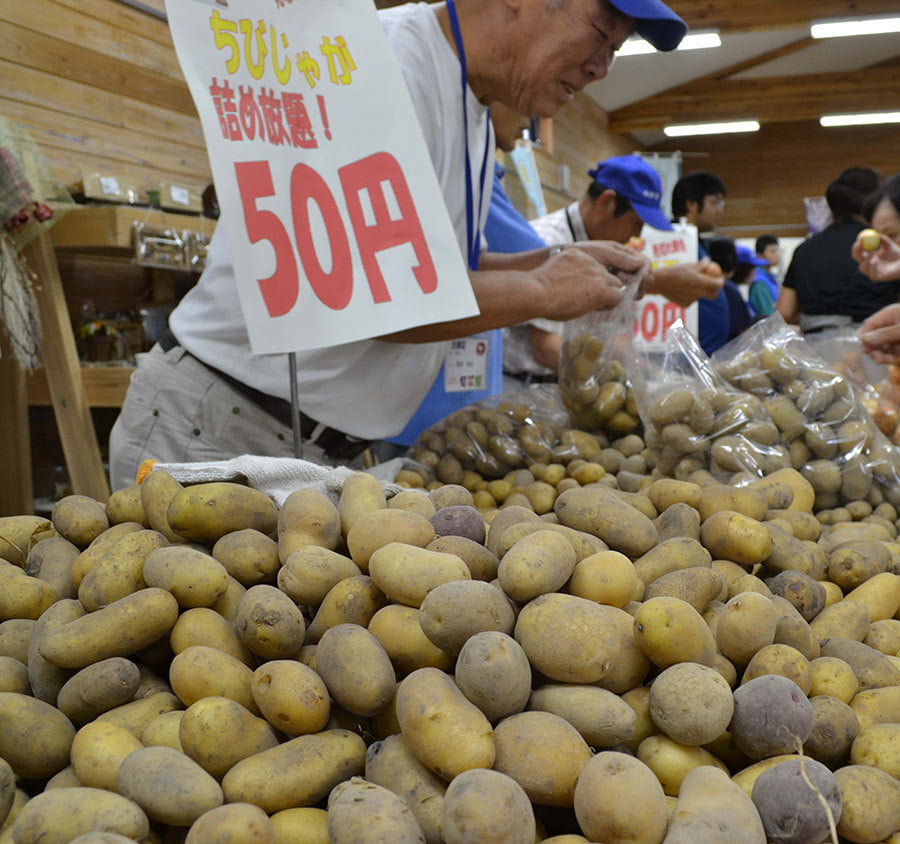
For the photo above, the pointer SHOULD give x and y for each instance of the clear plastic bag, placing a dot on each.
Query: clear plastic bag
(593, 383)
(507, 432)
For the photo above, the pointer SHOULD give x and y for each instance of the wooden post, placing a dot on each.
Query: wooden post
(16, 489)
(60, 359)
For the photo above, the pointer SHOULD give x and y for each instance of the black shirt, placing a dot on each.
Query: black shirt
(827, 280)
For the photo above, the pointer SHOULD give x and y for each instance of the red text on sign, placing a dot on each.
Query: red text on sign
(654, 321)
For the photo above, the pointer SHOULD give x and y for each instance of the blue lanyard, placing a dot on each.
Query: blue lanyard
(473, 226)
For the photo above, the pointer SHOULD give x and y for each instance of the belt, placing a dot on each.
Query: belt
(531, 377)
(336, 444)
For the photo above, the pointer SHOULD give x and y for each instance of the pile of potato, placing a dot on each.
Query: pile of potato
(609, 657)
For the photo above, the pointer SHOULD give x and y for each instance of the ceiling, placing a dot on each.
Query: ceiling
(768, 68)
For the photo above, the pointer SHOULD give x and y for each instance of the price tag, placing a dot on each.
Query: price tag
(180, 195)
(466, 365)
(336, 224)
(110, 185)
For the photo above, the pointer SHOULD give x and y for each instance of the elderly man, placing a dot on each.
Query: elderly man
(201, 394)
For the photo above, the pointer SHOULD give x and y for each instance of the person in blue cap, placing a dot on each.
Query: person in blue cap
(624, 194)
(760, 301)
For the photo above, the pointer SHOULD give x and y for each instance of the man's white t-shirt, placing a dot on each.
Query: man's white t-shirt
(369, 388)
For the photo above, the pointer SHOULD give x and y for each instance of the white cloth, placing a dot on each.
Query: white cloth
(369, 388)
(556, 229)
(278, 477)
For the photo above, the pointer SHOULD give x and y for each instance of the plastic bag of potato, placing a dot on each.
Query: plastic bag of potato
(593, 382)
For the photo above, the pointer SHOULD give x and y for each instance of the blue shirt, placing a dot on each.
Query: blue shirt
(506, 230)
(713, 317)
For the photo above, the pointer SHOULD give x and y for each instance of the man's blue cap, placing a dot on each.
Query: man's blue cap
(654, 22)
(745, 255)
(632, 177)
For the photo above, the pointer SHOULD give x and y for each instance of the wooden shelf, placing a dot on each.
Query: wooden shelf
(109, 226)
(104, 386)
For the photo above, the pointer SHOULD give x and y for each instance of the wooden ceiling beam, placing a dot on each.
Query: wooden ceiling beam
(776, 99)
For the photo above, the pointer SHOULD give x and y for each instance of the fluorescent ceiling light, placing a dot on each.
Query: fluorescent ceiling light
(694, 41)
(683, 129)
(860, 119)
(861, 26)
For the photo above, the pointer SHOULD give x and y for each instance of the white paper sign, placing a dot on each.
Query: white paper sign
(337, 226)
(654, 315)
(466, 365)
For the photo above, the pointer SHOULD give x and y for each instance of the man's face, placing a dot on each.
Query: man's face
(886, 219)
(555, 53)
(602, 224)
(707, 216)
(771, 254)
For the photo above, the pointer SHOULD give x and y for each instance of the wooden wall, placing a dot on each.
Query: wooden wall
(98, 86)
(768, 173)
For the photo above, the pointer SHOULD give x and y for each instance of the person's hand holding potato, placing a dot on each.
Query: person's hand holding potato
(878, 255)
(684, 284)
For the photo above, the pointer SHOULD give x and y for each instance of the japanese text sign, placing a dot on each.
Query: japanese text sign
(655, 315)
(334, 216)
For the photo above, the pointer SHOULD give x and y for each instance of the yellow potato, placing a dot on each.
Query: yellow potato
(301, 826)
(249, 556)
(804, 494)
(46, 678)
(15, 536)
(849, 619)
(307, 517)
(240, 823)
(299, 772)
(407, 573)
(269, 623)
(51, 560)
(358, 810)
(80, 519)
(373, 530)
(360, 494)
(204, 626)
(698, 585)
(877, 706)
(206, 512)
(136, 715)
(783, 660)
(493, 673)
(22, 596)
(353, 600)
(124, 505)
(291, 696)
(157, 491)
(446, 732)
(538, 563)
(733, 536)
(631, 665)
(217, 733)
(675, 554)
(35, 738)
(454, 612)
(97, 752)
(834, 677)
(871, 803)
(878, 746)
(672, 762)
(15, 636)
(98, 688)
(397, 628)
(880, 595)
(482, 563)
(715, 498)
(669, 631)
(665, 492)
(199, 672)
(747, 624)
(163, 731)
(602, 718)
(195, 579)
(487, 806)
(673, 697)
(606, 577)
(311, 571)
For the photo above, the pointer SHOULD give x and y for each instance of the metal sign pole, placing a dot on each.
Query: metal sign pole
(295, 406)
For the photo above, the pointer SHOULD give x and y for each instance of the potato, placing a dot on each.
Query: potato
(51, 560)
(607, 577)
(299, 772)
(269, 623)
(119, 571)
(459, 739)
(691, 703)
(834, 677)
(204, 626)
(877, 706)
(361, 493)
(698, 585)
(601, 512)
(806, 594)
(98, 688)
(716, 498)
(137, 714)
(311, 571)
(568, 639)
(206, 512)
(482, 563)
(734, 536)
(249, 556)
(415, 499)
(747, 624)
(878, 746)
(871, 804)
(217, 733)
(7, 790)
(291, 697)
(61, 815)
(194, 578)
(676, 521)
(453, 612)
(392, 764)
(374, 530)
(669, 631)
(848, 619)
(356, 669)
(163, 731)
(15, 536)
(674, 554)
(835, 726)
(15, 636)
(199, 672)
(22, 596)
(35, 738)
(492, 671)
(124, 505)
(97, 752)
(771, 716)
(665, 492)
(804, 526)
(168, 786)
(605, 803)
(353, 600)
(236, 823)
(398, 630)
(602, 718)
(783, 660)
(672, 762)
(507, 517)
(13, 676)
(631, 664)
(459, 520)
(583, 544)
(485, 805)
(543, 753)
(788, 553)
(407, 573)
(539, 563)
(880, 595)
(360, 810)
(301, 826)
(157, 491)
(80, 519)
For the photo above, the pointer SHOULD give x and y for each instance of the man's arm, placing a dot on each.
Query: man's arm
(684, 284)
(545, 347)
(789, 306)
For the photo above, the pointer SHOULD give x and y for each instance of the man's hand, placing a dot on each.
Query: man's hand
(880, 335)
(684, 284)
(575, 283)
(881, 264)
(617, 258)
